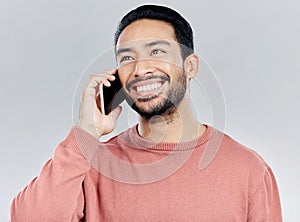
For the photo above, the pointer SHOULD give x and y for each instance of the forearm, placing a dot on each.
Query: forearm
(57, 193)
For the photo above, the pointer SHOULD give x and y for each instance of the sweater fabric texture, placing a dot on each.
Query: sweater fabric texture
(128, 178)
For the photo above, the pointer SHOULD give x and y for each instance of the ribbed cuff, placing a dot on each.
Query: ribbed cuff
(81, 142)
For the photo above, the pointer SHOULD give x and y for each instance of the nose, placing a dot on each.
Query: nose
(143, 67)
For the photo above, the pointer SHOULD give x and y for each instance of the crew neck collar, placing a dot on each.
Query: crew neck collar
(132, 139)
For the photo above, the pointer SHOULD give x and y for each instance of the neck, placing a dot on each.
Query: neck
(180, 127)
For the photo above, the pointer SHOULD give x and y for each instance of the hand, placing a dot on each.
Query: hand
(91, 119)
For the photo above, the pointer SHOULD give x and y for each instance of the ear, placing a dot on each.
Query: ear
(191, 65)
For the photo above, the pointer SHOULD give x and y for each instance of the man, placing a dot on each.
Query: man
(151, 171)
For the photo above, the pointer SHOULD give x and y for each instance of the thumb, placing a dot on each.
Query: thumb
(114, 114)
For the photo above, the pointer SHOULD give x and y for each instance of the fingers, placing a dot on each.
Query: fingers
(91, 118)
(96, 79)
(104, 78)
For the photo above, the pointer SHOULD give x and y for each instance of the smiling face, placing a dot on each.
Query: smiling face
(151, 67)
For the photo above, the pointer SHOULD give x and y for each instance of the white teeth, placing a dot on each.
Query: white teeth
(148, 87)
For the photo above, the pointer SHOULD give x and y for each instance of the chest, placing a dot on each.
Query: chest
(188, 196)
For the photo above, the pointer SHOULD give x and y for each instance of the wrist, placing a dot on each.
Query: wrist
(89, 128)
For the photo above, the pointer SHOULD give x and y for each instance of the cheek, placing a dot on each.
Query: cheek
(126, 70)
(123, 82)
(168, 68)
(171, 63)
(124, 75)
(176, 72)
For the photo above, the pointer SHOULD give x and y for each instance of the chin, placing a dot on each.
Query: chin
(154, 108)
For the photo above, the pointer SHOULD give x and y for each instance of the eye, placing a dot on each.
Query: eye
(157, 51)
(126, 58)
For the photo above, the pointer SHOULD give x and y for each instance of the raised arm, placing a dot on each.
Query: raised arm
(57, 193)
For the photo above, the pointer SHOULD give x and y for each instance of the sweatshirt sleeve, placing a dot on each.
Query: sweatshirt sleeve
(57, 193)
(264, 202)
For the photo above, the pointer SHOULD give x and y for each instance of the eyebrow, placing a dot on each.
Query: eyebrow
(119, 51)
(147, 45)
(158, 42)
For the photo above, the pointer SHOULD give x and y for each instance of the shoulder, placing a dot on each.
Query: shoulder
(240, 153)
(235, 156)
(247, 169)
(237, 159)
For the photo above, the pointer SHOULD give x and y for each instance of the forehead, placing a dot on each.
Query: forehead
(146, 29)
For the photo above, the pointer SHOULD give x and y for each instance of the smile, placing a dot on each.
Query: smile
(148, 87)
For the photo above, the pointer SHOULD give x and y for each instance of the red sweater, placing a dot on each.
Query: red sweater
(131, 179)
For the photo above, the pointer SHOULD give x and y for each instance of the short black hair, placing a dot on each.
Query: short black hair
(182, 29)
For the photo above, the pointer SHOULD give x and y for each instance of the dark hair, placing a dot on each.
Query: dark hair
(182, 29)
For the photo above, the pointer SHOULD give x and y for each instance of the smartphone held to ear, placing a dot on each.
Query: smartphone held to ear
(110, 97)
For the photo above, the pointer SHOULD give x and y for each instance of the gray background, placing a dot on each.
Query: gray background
(252, 46)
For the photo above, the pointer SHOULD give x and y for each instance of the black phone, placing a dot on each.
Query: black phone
(110, 97)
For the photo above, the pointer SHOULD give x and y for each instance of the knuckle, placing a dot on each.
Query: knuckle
(99, 77)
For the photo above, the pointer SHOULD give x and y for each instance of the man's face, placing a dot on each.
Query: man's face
(151, 67)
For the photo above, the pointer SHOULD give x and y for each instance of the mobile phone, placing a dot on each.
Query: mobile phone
(110, 97)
